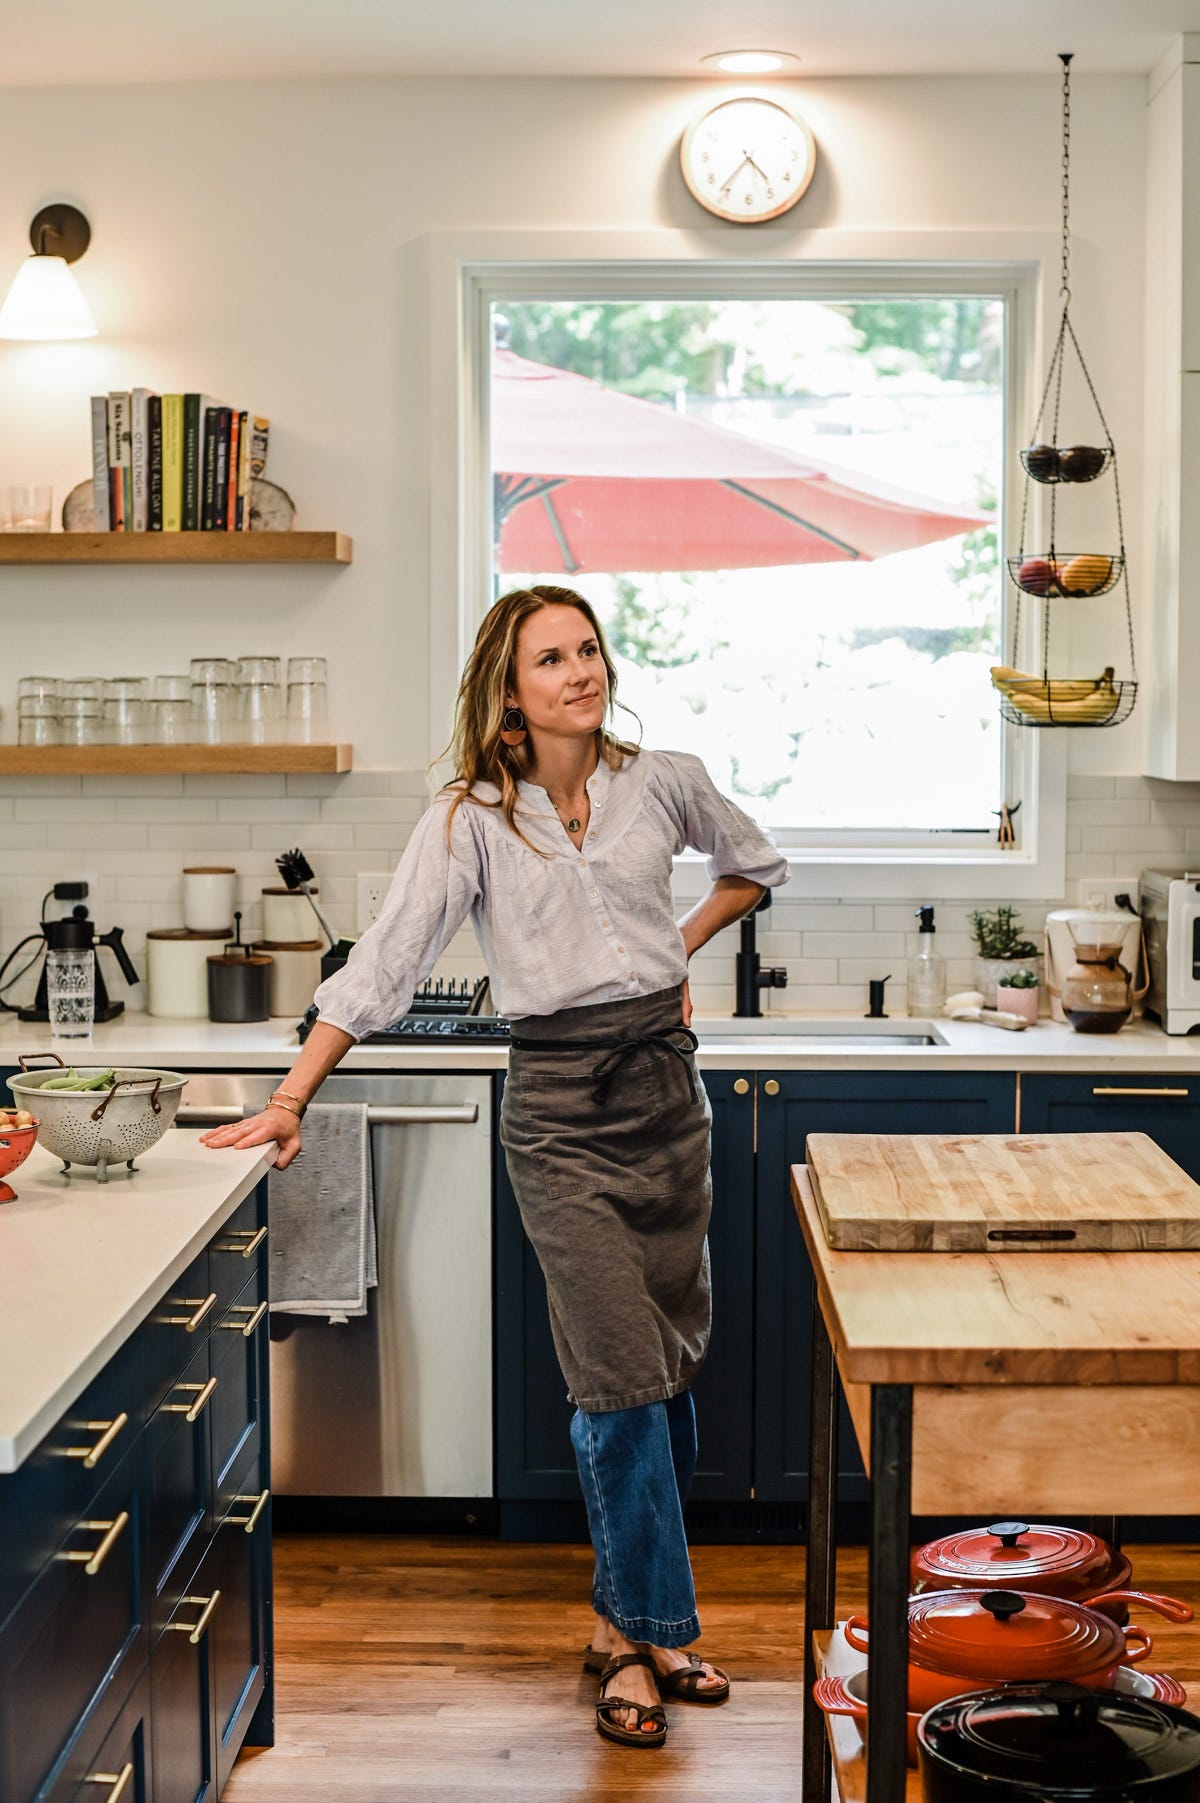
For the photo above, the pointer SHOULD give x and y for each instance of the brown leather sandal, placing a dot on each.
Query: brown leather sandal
(687, 1685)
(606, 1706)
(594, 1660)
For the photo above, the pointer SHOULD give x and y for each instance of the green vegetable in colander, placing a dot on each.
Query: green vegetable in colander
(73, 1081)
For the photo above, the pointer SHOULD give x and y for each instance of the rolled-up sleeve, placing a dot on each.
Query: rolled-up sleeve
(433, 891)
(708, 821)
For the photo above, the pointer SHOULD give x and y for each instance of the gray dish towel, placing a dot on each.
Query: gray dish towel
(322, 1241)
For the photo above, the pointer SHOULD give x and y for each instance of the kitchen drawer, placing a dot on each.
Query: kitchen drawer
(80, 1629)
(240, 1633)
(182, 1751)
(238, 1249)
(176, 1326)
(178, 1486)
(239, 1364)
(1165, 1107)
(108, 1757)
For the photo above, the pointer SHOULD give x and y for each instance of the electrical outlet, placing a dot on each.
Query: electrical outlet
(1102, 891)
(372, 888)
(56, 908)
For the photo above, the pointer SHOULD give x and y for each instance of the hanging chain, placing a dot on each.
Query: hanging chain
(1066, 56)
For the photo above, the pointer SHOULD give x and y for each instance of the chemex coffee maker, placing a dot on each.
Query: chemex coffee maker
(76, 931)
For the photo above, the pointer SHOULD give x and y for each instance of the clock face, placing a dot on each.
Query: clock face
(748, 159)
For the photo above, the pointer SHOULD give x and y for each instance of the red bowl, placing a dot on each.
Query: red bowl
(16, 1143)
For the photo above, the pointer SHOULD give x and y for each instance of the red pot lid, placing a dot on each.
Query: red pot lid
(1021, 1555)
(996, 1634)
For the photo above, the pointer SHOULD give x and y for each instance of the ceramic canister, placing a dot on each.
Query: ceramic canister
(209, 898)
(177, 972)
(288, 918)
(295, 973)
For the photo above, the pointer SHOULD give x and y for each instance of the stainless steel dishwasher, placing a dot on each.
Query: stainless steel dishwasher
(397, 1402)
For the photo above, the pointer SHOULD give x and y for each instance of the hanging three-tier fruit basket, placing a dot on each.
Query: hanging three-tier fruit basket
(1052, 576)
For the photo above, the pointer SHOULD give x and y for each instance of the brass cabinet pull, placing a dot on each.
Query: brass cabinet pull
(241, 1308)
(1111, 1091)
(92, 1562)
(195, 1633)
(92, 1455)
(191, 1410)
(771, 1087)
(255, 1241)
(118, 1780)
(249, 1522)
(741, 1087)
(189, 1323)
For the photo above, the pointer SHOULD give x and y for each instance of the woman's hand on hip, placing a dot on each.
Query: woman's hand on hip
(278, 1124)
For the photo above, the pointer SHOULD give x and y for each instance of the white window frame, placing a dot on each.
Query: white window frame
(468, 271)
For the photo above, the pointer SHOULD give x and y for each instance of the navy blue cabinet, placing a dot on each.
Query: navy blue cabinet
(1165, 1107)
(534, 1460)
(791, 1105)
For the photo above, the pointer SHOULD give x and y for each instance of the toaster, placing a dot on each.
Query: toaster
(1169, 901)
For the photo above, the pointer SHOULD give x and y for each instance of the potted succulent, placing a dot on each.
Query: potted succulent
(1001, 948)
(1017, 993)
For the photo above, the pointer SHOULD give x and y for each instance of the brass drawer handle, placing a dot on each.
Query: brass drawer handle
(188, 1322)
(195, 1633)
(92, 1455)
(255, 1241)
(771, 1086)
(249, 1522)
(118, 1780)
(92, 1562)
(240, 1308)
(741, 1087)
(191, 1410)
(1140, 1092)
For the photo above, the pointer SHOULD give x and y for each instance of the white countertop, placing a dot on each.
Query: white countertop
(272, 1046)
(81, 1264)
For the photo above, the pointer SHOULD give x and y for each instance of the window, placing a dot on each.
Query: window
(787, 511)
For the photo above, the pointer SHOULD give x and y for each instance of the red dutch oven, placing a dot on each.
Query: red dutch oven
(968, 1639)
(1032, 1556)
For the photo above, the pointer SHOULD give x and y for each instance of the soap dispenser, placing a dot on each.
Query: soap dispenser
(926, 970)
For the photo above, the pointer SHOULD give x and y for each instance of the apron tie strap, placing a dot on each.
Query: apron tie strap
(604, 1072)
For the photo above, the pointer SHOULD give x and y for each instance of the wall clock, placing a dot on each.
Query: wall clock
(748, 158)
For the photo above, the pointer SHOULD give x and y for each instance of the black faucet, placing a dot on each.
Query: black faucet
(750, 976)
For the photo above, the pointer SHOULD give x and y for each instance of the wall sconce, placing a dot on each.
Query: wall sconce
(45, 300)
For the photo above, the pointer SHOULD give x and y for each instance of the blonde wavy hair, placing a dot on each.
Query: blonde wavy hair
(478, 752)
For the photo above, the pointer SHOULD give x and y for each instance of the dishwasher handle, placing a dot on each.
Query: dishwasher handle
(414, 1114)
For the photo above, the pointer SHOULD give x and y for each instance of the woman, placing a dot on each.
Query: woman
(556, 838)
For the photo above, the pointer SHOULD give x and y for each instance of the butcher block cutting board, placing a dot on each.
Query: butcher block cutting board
(1070, 1192)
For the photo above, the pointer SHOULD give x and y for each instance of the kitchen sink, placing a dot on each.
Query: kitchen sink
(812, 1033)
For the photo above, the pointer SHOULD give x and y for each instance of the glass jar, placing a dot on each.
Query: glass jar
(1097, 994)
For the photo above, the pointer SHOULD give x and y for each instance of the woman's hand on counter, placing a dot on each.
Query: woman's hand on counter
(278, 1124)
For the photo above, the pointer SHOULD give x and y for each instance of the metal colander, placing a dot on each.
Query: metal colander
(99, 1126)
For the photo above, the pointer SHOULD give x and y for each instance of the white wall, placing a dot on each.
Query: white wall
(269, 244)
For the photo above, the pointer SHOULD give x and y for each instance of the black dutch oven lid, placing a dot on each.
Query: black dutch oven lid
(1058, 1739)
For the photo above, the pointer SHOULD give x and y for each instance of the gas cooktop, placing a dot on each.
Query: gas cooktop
(443, 1026)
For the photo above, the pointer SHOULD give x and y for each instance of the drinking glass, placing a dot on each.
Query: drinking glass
(260, 712)
(172, 688)
(168, 721)
(29, 506)
(79, 688)
(257, 669)
(307, 669)
(71, 992)
(213, 701)
(37, 688)
(79, 721)
(307, 713)
(37, 728)
(123, 710)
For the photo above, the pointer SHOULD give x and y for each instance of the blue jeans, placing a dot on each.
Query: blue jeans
(635, 1466)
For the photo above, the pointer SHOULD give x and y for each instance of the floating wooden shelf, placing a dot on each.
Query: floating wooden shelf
(837, 1657)
(161, 760)
(175, 547)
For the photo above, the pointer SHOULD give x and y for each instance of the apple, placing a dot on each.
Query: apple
(1041, 460)
(1081, 462)
(1037, 576)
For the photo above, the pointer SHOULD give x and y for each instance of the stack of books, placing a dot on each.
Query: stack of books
(173, 462)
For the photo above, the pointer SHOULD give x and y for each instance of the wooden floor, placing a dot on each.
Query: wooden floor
(449, 1669)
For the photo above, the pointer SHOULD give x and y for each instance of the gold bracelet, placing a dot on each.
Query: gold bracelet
(292, 1106)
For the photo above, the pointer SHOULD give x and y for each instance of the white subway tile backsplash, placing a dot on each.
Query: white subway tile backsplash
(132, 835)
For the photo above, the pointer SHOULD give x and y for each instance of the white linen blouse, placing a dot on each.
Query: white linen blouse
(577, 928)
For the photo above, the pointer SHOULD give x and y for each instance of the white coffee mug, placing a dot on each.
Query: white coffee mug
(209, 898)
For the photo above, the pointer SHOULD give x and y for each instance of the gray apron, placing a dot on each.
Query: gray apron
(606, 1131)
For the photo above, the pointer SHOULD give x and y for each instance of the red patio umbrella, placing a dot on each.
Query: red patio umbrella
(587, 478)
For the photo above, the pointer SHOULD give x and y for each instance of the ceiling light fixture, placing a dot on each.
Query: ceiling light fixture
(750, 62)
(45, 300)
